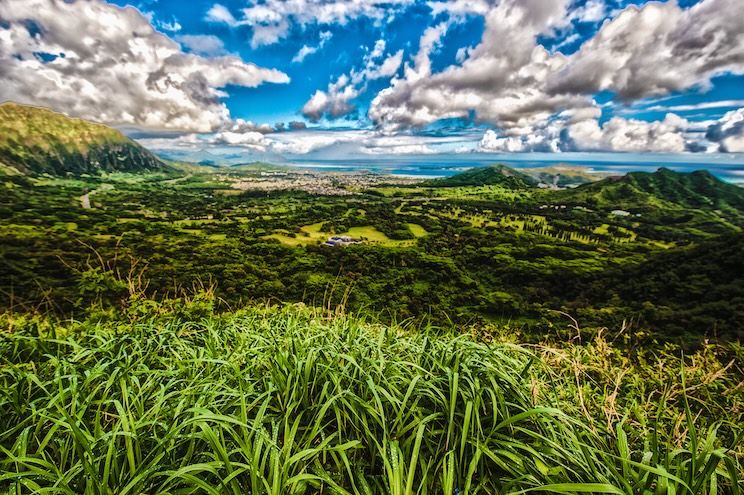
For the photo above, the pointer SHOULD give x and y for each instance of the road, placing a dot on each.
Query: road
(85, 200)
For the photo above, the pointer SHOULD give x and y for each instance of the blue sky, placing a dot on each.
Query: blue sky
(335, 79)
(353, 39)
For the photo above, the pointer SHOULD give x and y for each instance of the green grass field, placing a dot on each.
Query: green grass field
(311, 234)
(308, 234)
(169, 398)
(417, 230)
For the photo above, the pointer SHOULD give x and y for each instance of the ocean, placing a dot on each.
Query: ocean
(438, 167)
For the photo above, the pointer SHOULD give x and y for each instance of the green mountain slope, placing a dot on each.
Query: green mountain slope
(693, 289)
(663, 188)
(35, 140)
(487, 176)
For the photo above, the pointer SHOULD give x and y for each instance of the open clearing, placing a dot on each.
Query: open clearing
(311, 234)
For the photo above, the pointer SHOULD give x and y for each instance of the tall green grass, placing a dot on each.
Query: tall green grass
(287, 401)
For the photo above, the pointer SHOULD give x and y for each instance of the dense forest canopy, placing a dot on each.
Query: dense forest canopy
(631, 249)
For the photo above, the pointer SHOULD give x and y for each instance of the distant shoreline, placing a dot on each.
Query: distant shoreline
(732, 173)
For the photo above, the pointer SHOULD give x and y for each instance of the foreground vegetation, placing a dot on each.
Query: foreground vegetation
(169, 397)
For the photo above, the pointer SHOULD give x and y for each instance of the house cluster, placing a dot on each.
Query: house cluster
(320, 183)
(554, 207)
(341, 240)
(623, 213)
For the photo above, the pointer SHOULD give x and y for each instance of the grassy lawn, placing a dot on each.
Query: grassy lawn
(311, 234)
(417, 230)
(374, 236)
(308, 234)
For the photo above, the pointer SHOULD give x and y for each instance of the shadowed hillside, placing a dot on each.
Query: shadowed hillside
(695, 288)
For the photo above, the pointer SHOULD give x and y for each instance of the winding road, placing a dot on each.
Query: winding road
(85, 199)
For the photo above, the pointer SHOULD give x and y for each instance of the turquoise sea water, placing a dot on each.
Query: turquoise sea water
(436, 167)
(726, 166)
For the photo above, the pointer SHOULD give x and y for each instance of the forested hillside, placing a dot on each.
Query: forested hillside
(487, 176)
(524, 258)
(39, 141)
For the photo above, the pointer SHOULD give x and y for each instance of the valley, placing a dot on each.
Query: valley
(497, 253)
(262, 329)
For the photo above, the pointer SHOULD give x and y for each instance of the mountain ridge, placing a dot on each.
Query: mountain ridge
(36, 140)
(487, 176)
(698, 189)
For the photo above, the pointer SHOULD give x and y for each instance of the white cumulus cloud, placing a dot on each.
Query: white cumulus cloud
(306, 50)
(202, 44)
(656, 49)
(620, 134)
(112, 66)
(500, 81)
(728, 132)
(271, 20)
(336, 101)
(527, 93)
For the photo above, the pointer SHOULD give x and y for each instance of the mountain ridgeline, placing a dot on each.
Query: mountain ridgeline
(38, 141)
(500, 175)
(664, 187)
(695, 190)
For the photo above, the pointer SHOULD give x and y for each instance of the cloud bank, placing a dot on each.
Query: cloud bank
(539, 100)
(97, 61)
(544, 75)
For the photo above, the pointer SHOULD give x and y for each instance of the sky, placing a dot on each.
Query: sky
(313, 80)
